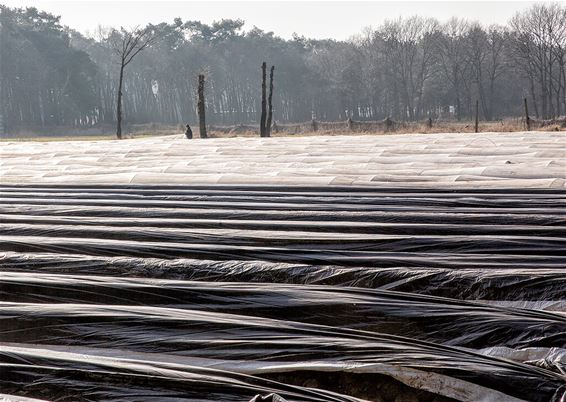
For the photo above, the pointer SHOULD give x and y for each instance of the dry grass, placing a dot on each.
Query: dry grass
(79, 137)
(410, 128)
(153, 130)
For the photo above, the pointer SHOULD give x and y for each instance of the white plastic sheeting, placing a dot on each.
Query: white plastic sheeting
(486, 160)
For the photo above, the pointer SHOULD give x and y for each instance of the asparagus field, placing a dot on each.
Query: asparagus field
(396, 268)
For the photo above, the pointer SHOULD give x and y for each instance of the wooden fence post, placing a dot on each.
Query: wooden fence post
(200, 107)
(262, 120)
(477, 116)
(527, 118)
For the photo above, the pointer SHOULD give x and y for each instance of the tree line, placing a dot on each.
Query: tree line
(406, 69)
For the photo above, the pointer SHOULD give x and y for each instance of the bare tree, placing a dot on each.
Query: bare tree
(270, 103)
(262, 130)
(558, 40)
(200, 106)
(450, 52)
(497, 41)
(476, 55)
(539, 39)
(127, 44)
(408, 46)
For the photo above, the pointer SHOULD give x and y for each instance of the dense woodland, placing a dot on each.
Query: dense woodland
(406, 69)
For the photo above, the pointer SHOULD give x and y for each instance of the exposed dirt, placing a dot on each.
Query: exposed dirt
(372, 387)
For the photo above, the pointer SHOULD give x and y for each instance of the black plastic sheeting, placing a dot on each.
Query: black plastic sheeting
(307, 294)
(428, 318)
(455, 279)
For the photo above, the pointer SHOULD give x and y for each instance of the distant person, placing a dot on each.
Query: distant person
(189, 132)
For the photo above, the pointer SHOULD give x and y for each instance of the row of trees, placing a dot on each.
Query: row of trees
(406, 69)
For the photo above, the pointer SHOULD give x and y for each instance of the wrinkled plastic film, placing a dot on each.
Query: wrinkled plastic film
(241, 292)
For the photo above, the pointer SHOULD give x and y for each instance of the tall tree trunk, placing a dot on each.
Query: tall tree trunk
(543, 95)
(269, 103)
(484, 106)
(262, 130)
(200, 106)
(457, 94)
(527, 118)
(559, 88)
(491, 105)
(3, 89)
(119, 105)
(476, 125)
(533, 95)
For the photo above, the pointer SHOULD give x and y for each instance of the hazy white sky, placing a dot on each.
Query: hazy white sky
(316, 19)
